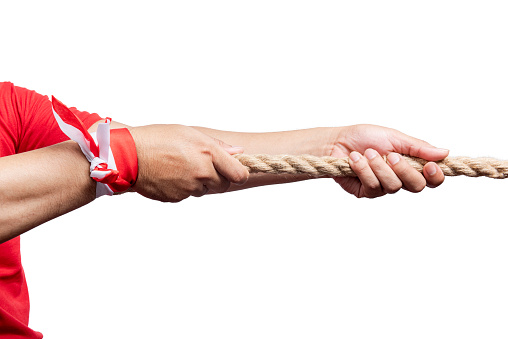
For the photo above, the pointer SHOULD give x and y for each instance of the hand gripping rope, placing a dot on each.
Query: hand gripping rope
(111, 153)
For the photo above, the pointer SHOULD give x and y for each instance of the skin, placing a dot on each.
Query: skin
(176, 162)
(375, 176)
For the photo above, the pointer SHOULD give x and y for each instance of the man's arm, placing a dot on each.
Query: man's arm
(174, 163)
(40, 185)
(376, 177)
(314, 141)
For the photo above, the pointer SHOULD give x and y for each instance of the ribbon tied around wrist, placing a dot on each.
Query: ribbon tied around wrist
(111, 152)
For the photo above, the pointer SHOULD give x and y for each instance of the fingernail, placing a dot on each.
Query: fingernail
(393, 158)
(355, 156)
(370, 154)
(431, 170)
(234, 149)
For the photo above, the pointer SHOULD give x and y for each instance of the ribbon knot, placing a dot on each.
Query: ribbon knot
(112, 175)
(97, 162)
(100, 172)
(96, 147)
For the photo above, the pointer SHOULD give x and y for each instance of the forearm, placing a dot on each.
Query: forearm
(314, 141)
(40, 185)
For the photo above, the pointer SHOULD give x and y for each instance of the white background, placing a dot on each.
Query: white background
(302, 260)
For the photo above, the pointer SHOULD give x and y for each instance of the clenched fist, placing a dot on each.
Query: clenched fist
(175, 162)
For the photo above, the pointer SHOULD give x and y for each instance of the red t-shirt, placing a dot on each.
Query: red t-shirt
(26, 123)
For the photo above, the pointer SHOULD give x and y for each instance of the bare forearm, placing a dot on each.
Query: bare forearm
(40, 185)
(314, 141)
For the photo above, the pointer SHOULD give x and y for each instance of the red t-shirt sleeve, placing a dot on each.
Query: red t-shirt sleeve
(35, 126)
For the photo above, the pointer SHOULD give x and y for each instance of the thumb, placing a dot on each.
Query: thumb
(405, 144)
(229, 167)
(228, 148)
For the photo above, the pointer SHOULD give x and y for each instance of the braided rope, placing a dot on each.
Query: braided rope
(339, 167)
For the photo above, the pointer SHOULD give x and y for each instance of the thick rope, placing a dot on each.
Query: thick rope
(339, 167)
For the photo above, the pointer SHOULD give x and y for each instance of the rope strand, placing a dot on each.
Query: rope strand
(339, 167)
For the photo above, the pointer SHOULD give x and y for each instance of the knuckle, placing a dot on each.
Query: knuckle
(196, 189)
(372, 187)
(235, 177)
(390, 190)
(360, 168)
(176, 198)
(223, 187)
(205, 147)
(403, 170)
(393, 187)
(220, 142)
(360, 165)
(201, 172)
(239, 176)
(418, 187)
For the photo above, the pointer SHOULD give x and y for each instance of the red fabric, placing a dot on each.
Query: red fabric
(70, 118)
(126, 159)
(26, 123)
(121, 143)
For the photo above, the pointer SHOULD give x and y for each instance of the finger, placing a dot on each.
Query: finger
(405, 144)
(200, 190)
(229, 167)
(412, 180)
(389, 181)
(433, 174)
(208, 179)
(217, 183)
(371, 187)
(349, 184)
(428, 153)
(234, 149)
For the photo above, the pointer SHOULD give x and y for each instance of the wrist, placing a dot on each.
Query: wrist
(111, 153)
(329, 139)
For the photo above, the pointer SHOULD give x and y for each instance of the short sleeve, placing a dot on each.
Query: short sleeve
(37, 126)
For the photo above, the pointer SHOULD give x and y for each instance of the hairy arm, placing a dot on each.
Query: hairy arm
(174, 163)
(40, 185)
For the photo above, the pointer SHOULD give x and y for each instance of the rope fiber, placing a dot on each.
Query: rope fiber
(339, 167)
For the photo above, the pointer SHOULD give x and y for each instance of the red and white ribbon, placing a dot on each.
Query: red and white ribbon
(98, 152)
